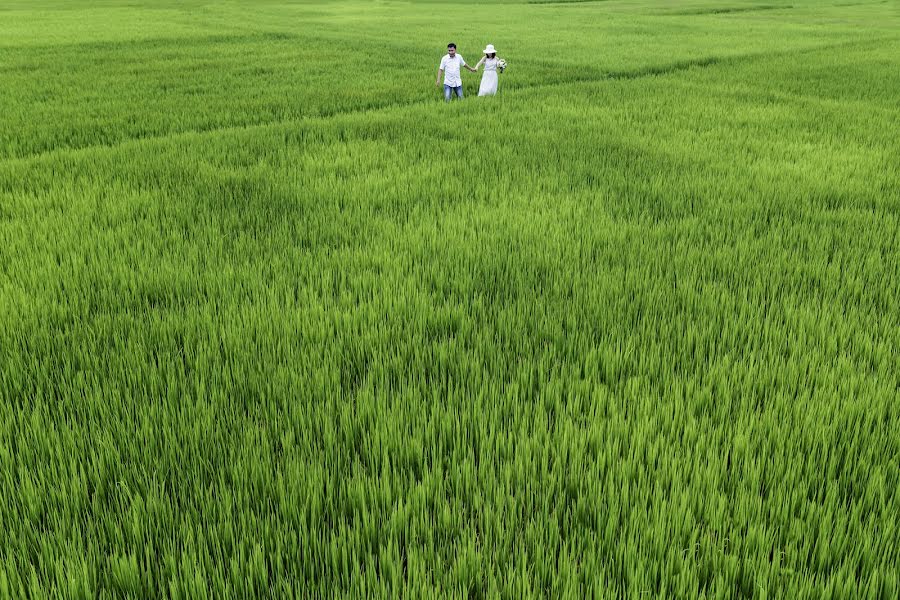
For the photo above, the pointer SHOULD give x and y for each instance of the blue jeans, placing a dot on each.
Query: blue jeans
(448, 92)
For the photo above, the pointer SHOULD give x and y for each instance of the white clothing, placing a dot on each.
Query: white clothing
(451, 68)
(489, 78)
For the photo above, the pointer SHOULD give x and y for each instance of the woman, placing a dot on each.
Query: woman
(489, 79)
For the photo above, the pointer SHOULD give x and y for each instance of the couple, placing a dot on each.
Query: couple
(451, 65)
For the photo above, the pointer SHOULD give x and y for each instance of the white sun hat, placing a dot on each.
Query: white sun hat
(490, 49)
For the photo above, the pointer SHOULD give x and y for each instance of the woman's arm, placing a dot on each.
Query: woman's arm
(480, 62)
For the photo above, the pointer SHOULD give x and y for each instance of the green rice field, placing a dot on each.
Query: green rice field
(278, 322)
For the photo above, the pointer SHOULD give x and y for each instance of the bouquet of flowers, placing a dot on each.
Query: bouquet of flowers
(501, 65)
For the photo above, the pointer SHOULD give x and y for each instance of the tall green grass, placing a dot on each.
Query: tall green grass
(275, 321)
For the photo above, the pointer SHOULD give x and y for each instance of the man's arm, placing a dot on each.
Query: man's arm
(437, 81)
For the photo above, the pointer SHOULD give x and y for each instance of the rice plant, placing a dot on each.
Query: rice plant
(276, 321)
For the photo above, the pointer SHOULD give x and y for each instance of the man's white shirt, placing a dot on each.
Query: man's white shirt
(451, 68)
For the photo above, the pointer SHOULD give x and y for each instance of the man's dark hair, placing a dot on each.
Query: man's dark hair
(451, 45)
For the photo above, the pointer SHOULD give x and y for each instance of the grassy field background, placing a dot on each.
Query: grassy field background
(275, 321)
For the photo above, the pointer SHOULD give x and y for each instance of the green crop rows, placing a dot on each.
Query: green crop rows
(276, 321)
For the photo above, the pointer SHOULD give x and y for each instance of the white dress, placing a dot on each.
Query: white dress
(489, 78)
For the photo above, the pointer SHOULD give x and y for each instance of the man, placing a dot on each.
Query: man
(450, 68)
